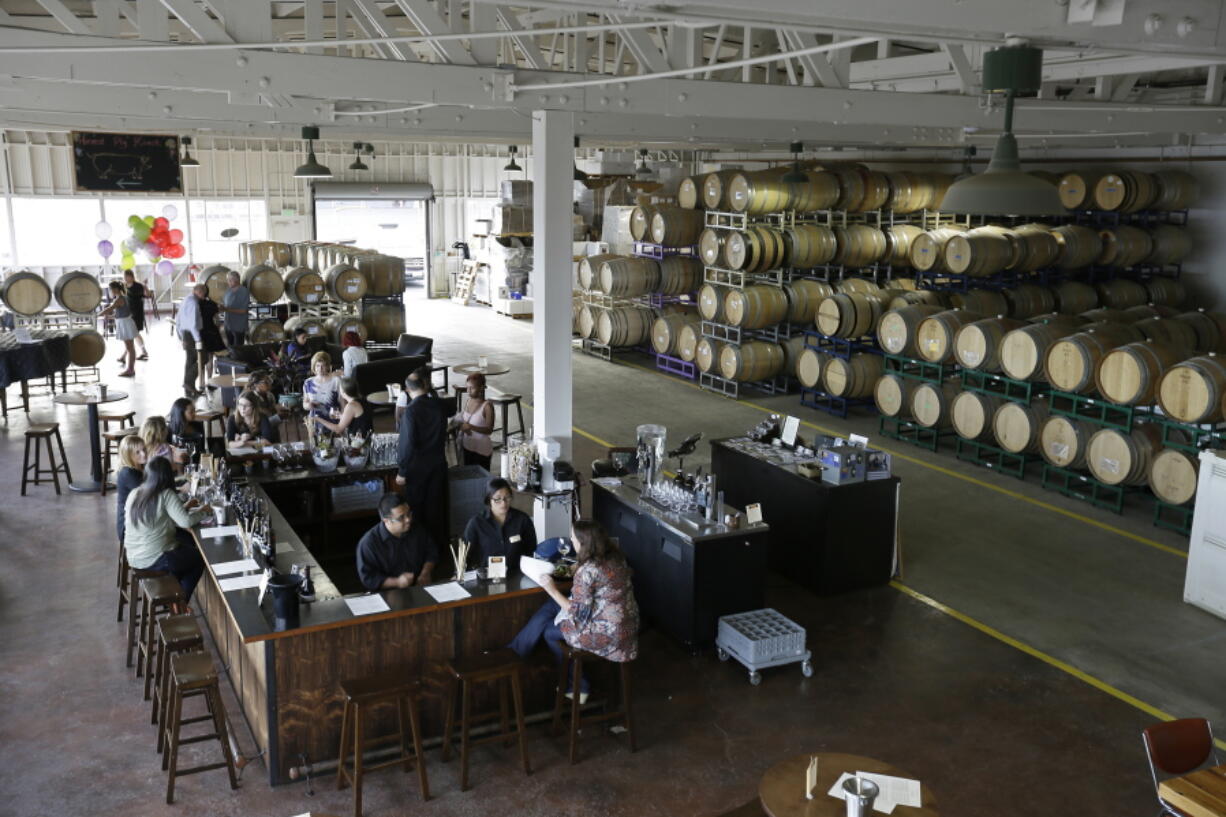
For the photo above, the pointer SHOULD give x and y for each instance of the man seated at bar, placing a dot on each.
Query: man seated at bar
(500, 530)
(394, 553)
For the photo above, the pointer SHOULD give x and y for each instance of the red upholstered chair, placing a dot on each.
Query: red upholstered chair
(1176, 748)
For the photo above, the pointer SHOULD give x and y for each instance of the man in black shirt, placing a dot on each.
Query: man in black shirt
(423, 456)
(394, 553)
(135, 292)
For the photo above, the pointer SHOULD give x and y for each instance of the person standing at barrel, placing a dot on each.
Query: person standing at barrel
(189, 324)
(210, 335)
(125, 328)
(422, 460)
(234, 306)
(135, 291)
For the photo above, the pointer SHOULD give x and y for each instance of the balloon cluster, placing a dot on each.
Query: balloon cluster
(151, 236)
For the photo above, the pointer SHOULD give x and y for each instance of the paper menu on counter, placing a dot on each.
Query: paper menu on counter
(238, 566)
(366, 605)
(448, 591)
(240, 582)
(219, 531)
(895, 791)
(534, 568)
(242, 451)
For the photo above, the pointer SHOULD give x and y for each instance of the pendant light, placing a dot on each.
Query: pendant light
(1004, 189)
(357, 163)
(643, 171)
(186, 160)
(312, 169)
(795, 175)
(579, 175)
(512, 166)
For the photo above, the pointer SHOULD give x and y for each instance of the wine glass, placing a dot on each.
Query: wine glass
(564, 548)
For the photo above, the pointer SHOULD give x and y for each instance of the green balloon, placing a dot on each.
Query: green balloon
(141, 232)
(127, 263)
(133, 220)
(148, 222)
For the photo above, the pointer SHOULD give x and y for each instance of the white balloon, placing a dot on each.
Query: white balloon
(102, 230)
(170, 212)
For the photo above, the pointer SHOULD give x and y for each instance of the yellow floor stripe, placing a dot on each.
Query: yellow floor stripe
(954, 474)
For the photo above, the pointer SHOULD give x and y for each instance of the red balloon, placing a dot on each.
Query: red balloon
(176, 236)
(160, 223)
(162, 240)
(175, 251)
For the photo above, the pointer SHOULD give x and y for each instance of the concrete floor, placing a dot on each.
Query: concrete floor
(990, 728)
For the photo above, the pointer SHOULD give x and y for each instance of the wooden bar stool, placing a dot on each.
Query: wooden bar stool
(157, 595)
(132, 598)
(192, 672)
(110, 448)
(503, 402)
(124, 419)
(44, 432)
(504, 667)
(361, 695)
(207, 418)
(574, 659)
(176, 635)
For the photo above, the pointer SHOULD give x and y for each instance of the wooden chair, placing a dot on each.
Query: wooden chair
(126, 419)
(1177, 748)
(44, 432)
(502, 402)
(194, 672)
(503, 667)
(573, 660)
(362, 695)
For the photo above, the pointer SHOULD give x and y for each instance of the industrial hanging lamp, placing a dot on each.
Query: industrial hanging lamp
(186, 160)
(795, 175)
(643, 171)
(357, 163)
(312, 169)
(1003, 188)
(512, 165)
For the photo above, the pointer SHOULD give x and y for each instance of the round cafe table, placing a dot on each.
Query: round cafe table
(76, 398)
(230, 381)
(489, 370)
(379, 398)
(782, 790)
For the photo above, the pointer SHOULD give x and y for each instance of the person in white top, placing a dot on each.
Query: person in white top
(321, 393)
(189, 323)
(475, 422)
(354, 354)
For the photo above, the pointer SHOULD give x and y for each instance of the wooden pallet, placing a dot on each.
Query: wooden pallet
(464, 284)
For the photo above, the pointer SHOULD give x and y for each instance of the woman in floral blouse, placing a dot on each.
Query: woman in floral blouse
(601, 615)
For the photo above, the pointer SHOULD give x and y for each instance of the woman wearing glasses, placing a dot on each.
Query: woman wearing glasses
(500, 530)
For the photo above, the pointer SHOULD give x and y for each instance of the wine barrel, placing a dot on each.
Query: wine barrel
(819, 191)
(1129, 374)
(909, 192)
(1038, 247)
(928, 249)
(86, 347)
(898, 239)
(712, 247)
(755, 307)
(384, 273)
(715, 189)
(809, 245)
(848, 315)
(264, 283)
(640, 222)
(1173, 476)
(272, 253)
(587, 321)
(1125, 191)
(1074, 297)
(1107, 315)
(1210, 329)
(679, 275)
(301, 253)
(757, 194)
(1118, 458)
(1024, 350)
(792, 347)
(266, 330)
(337, 325)
(972, 414)
(932, 403)
(1016, 426)
(852, 186)
(1124, 246)
(25, 293)
(1072, 360)
(977, 345)
(676, 226)
(934, 338)
(1028, 300)
(980, 252)
(1121, 294)
(1179, 336)
(711, 302)
(78, 292)
(687, 341)
(216, 279)
(861, 285)
(809, 366)
(313, 326)
(1063, 441)
(1192, 391)
(876, 191)
(908, 297)
(304, 286)
(859, 245)
(981, 301)
(345, 283)
(804, 294)
(1079, 246)
(628, 276)
(1169, 245)
(384, 322)
(589, 269)
(1177, 190)
(757, 249)
(707, 354)
(892, 395)
(1146, 312)
(897, 331)
(1166, 292)
(1076, 189)
(852, 377)
(666, 332)
(624, 326)
(689, 193)
(751, 361)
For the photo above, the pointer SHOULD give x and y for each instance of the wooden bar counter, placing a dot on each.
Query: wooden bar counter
(288, 683)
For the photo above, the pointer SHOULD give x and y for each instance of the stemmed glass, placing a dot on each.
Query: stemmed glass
(564, 548)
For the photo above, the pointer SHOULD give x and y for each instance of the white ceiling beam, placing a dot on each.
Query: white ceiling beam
(203, 27)
(1213, 86)
(152, 21)
(370, 18)
(482, 17)
(640, 44)
(248, 21)
(427, 21)
(961, 64)
(64, 17)
(1124, 86)
(816, 64)
(526, 43)
(313, 23)
(106, 17)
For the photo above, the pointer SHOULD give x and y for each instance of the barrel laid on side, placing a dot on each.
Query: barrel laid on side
(263, 282)
(852, 377)
(1118, 458)
(804, 294)
(666, 332)
(934, 338)
(25, 293)
(384, 322)
(624, 326)
(707, 354)
(1075, 297)
(86, 347)
(897, 331)
(977, 345)
(1171, 245)
(304, 286)
(676, 226)
(266, 330)
(810, 364)
(338, 325)
(78, 292)
(1063, 441)
(972, 414)
(589, 268)
(345, 283)
(1210, 329)
(751, 361)
(627, 276)
(313, 326)
(1130, 374)
(711, 302)
(1173, 476)
(1192, 391)
(892, 395)
(848, 315)
(1073, 360)
(216, 280)
(679, 275)
(932, 403)
(1024, 350)
(755, 307)
(1016, 426)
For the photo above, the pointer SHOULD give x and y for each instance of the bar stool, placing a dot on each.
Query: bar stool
(176, 634)
(194, 672)
(362, 694)
(207, 418)
(156, 596)
(124, 419)
(574, 659)
(504, 667)
(135, 576)
(503, 401)
(110, 448)
(44, 432)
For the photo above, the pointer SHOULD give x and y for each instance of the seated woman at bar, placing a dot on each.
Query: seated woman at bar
(354, 353)
(131, 474)
(355, 417)
(247, 427)
(185, 430)
(321, 391)
(156, 436)
(475, 422)
(296, 350)
(500, 530)
(601, 615)
(266, 400)
(394, 553)
(154, 516)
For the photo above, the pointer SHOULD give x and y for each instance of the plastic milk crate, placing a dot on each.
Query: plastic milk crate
(760, 639)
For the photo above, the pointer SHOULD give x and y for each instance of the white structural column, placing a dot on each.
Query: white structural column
(553, 134)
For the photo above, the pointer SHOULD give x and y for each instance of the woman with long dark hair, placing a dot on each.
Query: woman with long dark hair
(154, 517)
(186, 431)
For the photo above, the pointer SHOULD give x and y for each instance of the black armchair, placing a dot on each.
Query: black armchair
(415, 345)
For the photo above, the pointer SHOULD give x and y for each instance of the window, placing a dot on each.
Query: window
(211, 217)
(391, 226)
(55, 232)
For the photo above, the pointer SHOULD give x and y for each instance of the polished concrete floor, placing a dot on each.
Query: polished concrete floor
(966, 703)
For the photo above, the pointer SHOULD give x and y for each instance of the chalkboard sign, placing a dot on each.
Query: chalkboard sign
(128, 162)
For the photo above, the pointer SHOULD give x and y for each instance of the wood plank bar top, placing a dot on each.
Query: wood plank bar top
(782, 788)
(1200, 794)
